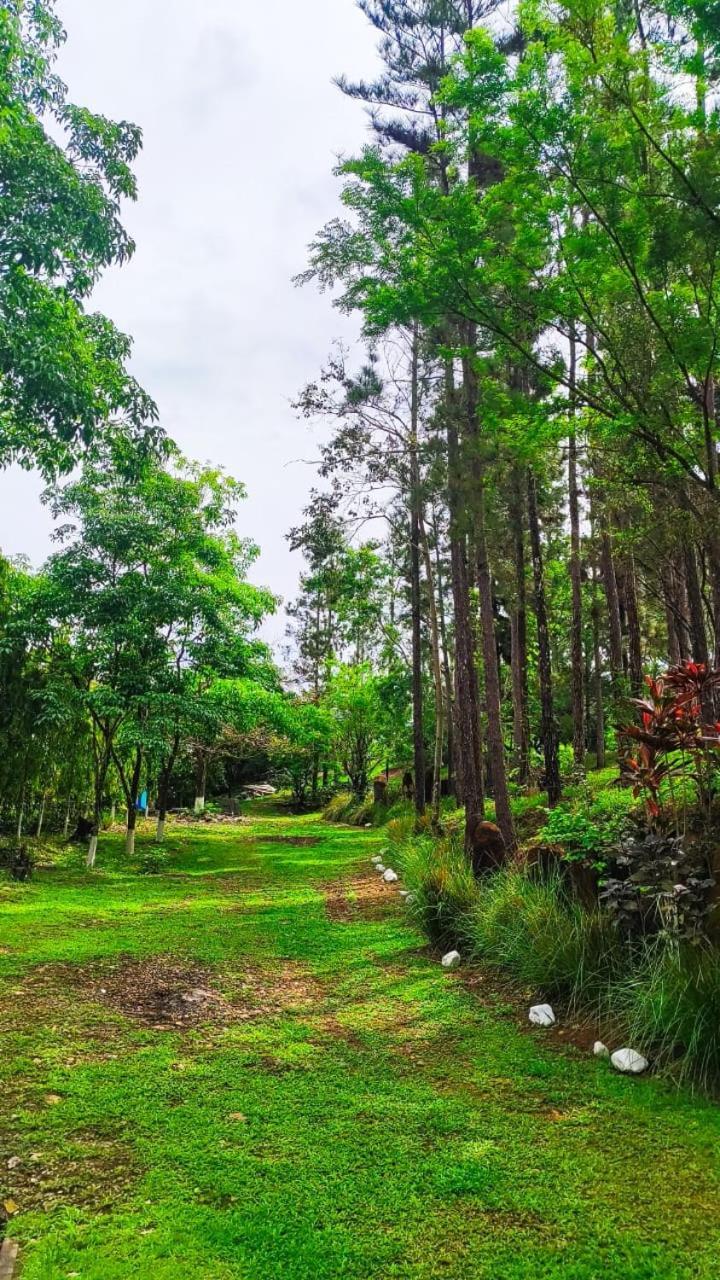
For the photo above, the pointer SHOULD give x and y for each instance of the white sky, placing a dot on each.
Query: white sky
(242, 126)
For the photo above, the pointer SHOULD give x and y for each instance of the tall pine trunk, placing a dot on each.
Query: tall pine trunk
(597, 684)
(496, 744)
(548, 725)
(467, 735)
(437, 678)
(612, 598)
(518, 641)
(576, 629)
(698, 633)
(415, 585)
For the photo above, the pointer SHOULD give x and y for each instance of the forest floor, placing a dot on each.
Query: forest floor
(251, 1066)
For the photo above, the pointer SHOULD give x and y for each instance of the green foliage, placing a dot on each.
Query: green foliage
(346, 807)
(304, 737)
(670, 1003)
(153, 861)
(63, 174)
(353, 702)
(582, 839)
(660, 888)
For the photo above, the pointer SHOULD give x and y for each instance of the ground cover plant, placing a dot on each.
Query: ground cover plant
(325, 1103)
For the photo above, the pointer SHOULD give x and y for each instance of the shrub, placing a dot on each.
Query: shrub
(661, 891)
(338, 807)
(582, 840)
(591, 831)
(444, 887)
(545, 940)
(345, 807)
(670, 1004)
(153, 860)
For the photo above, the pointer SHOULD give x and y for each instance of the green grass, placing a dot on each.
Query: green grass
(371, 1119)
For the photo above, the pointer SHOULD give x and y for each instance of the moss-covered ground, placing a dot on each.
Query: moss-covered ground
(324, 1103)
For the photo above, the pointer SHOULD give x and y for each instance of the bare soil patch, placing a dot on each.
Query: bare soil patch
(165, 993)
(511, 1000)
(364, 897)
(93, 1174)
(160, 992)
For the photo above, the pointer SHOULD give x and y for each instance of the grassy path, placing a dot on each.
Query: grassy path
(324, 1102)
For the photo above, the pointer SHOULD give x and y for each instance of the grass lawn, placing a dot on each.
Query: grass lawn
(324, 1102)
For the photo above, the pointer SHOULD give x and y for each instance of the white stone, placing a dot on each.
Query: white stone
(542, 1015)
(409, 899)
(377, 859)
(390, 876)
(14, 1162)
(380, 866)
(630, 1062)
(601, 1050)
(451, 960)
(404, 893)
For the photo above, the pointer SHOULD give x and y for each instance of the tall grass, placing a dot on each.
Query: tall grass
(670, 1003)
(662, 998)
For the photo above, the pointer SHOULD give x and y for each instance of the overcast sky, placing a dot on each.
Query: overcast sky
(242, 126)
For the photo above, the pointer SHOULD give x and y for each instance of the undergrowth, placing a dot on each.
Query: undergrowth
(661, 995)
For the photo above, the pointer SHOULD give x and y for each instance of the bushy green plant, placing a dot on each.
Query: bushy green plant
(670, 1003)
(443, 885)
(338, 807)
(661, 889)
(153, 861)
(345, 807)
(544, 939)
(581, 839)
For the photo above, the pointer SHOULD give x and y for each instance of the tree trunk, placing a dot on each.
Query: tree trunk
(548, 725)
(92, 851)
(467, 736)
(21, 814)
(612, 598)
(102, 750)
(597, 678)
(447, 674)
(130, 833)
(415, 586)
(629, 599)
(131, 795)
(698, 631)
(437, 678)
(200, 782)
(713, 542)
(518, 647)
(164, 788)
(671, 619)
(495, 739)
(41, 816)
(576, 629)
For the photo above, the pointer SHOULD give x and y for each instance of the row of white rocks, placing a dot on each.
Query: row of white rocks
(628, 1061)
(391, 877)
